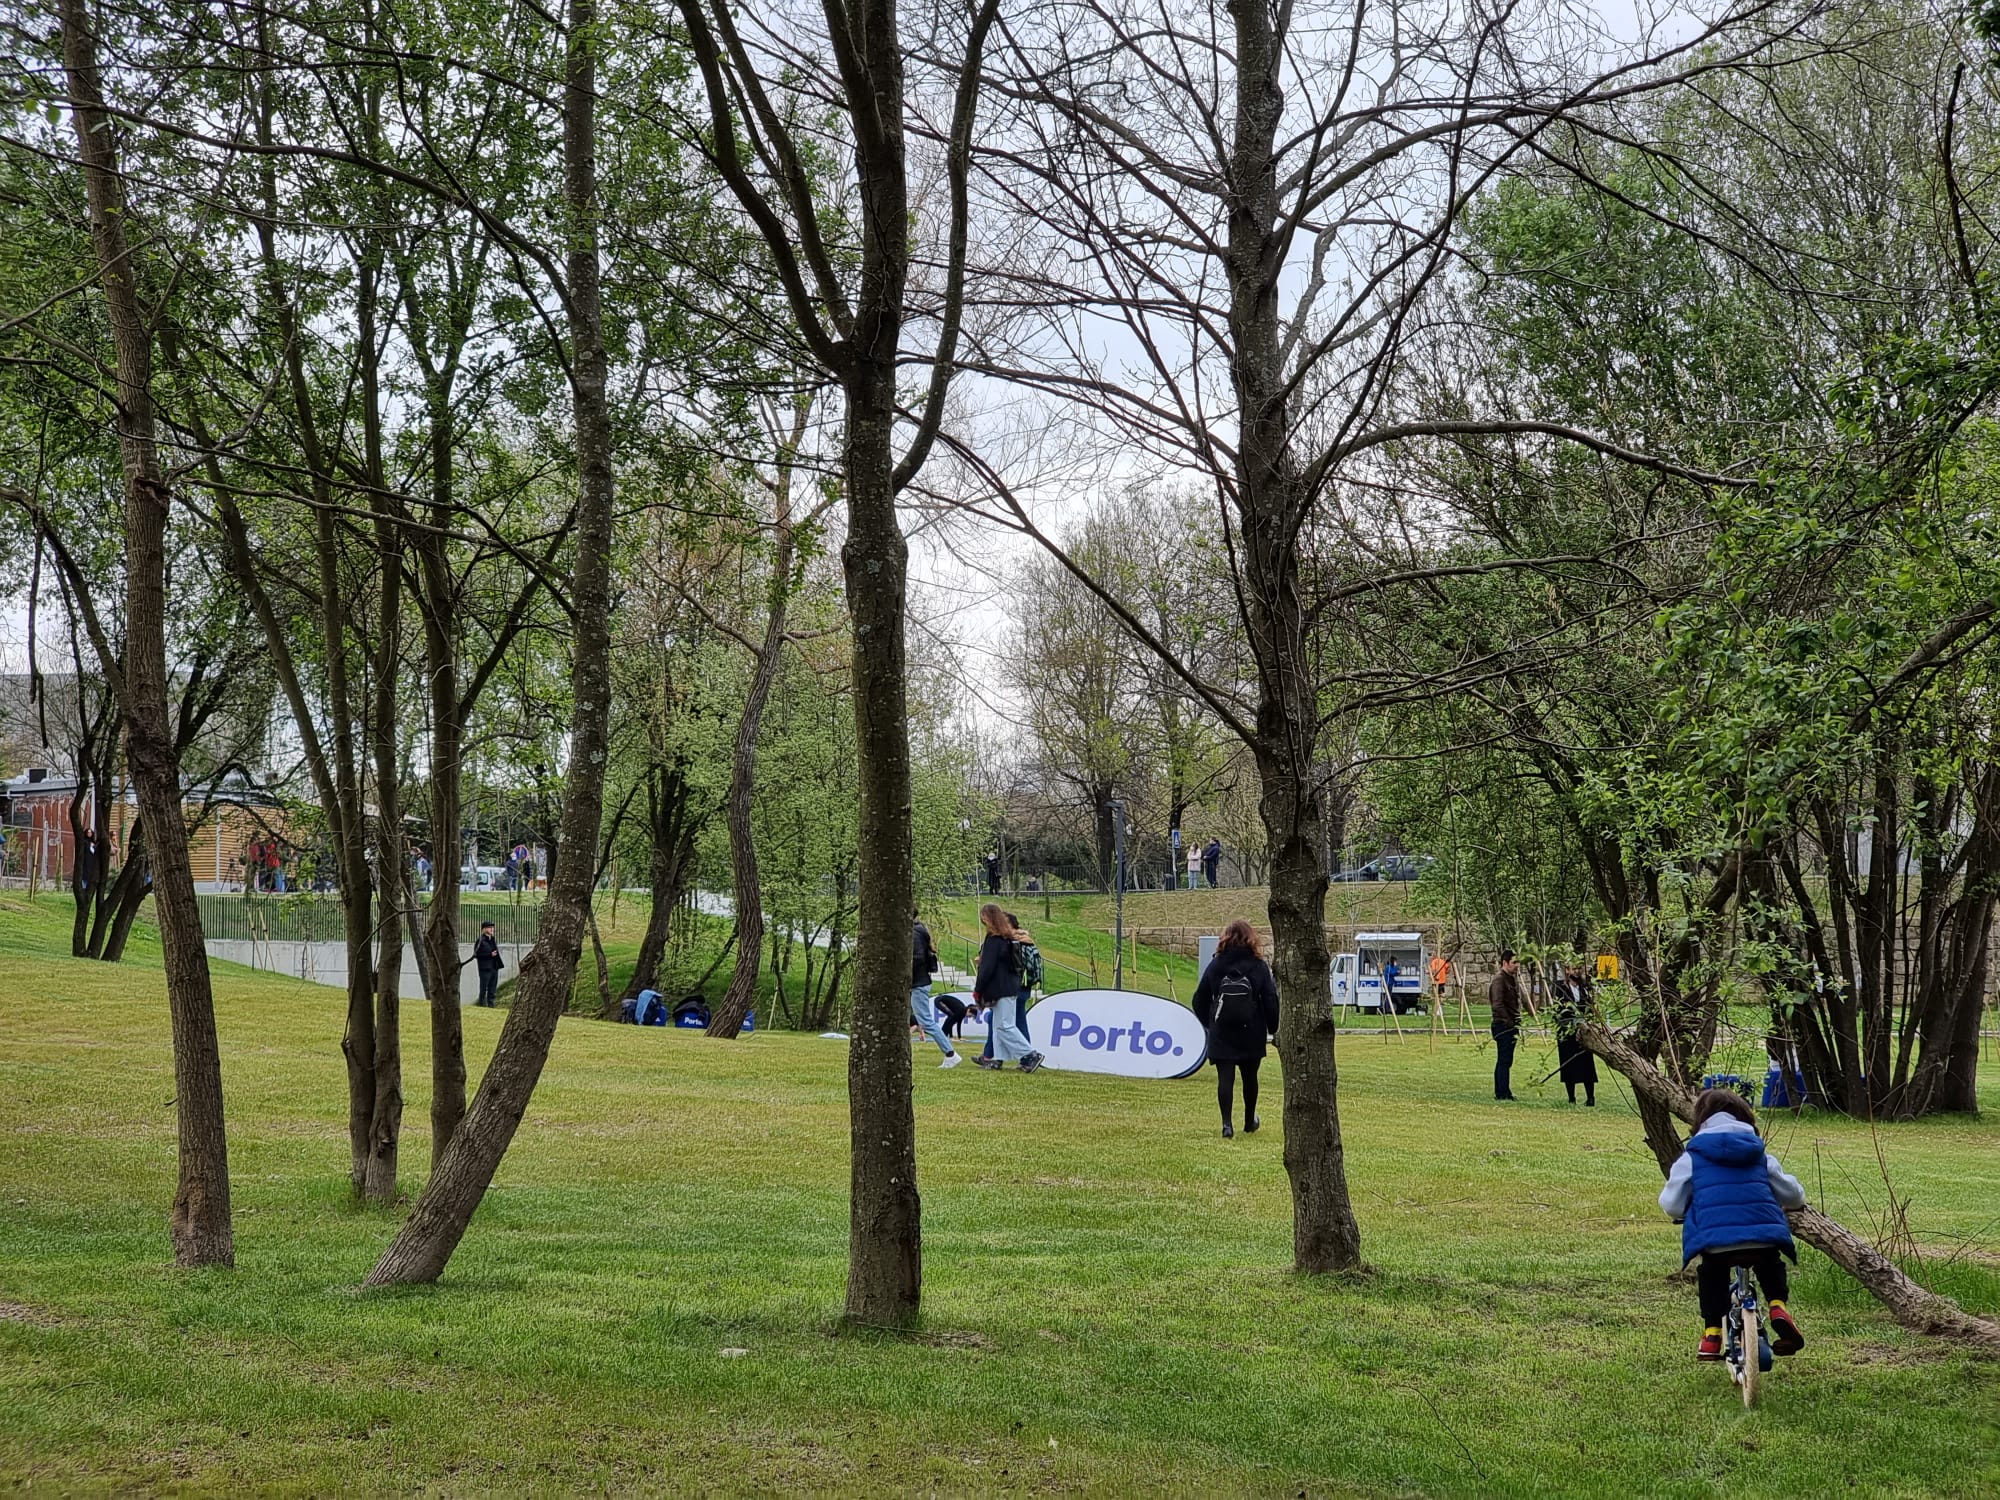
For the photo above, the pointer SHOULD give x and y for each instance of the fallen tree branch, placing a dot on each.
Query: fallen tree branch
(1913, 1306)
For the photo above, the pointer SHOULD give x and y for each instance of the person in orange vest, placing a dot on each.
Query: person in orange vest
(1440, 975)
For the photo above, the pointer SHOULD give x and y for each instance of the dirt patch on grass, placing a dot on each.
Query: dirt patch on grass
(1898, 1356)
(33, 1317)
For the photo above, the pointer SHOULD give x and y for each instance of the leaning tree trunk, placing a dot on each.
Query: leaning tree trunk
(202, 1233)
(465, 1168)
(1913, 1306)
(746, 881)
(1271, 497)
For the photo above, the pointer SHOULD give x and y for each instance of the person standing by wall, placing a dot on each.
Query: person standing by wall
(1572, 1009)
(486, 958)
(1194, 865)
(1211, 859)
(923, 964)
(1503, 999)
(998, 981)
(993, 872)
(1237, 1003)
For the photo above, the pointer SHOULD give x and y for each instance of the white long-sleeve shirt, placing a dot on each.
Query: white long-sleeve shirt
(1680, 1181)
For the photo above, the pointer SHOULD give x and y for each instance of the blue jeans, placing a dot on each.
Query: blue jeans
(1020, 1020)
(1004, 1038)
(925, 1015)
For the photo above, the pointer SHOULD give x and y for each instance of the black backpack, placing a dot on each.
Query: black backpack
(1235, 1003)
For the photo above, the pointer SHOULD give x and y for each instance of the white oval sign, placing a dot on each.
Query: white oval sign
(1118, 1031)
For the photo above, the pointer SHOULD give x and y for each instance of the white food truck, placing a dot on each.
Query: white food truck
(1356, 978)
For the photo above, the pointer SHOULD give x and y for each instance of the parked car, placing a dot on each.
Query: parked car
(1388, 867)
(484, 878)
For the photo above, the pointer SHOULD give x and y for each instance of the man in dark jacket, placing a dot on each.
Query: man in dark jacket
(923, 964)
(486, 957)
(1503, 997)
(1211, 862)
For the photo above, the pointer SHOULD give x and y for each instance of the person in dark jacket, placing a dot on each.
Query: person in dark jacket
(1729, 1196)
(1211, 862)
(923, 964)
(1503, 999)
(995, 987)
(1572, 1009)
(486, 957)
(1237, 1004)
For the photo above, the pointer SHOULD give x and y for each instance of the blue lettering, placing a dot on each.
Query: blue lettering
(1159, 1042)
(1067, 1022)
(1138, 1034)
(1092, 1038)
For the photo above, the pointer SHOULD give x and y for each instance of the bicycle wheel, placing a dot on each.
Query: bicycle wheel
(1751, 1335)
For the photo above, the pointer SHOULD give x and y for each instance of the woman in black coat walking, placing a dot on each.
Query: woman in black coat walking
(1237, 1001)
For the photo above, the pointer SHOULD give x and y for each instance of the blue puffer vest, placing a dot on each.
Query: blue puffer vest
(1732, 1202)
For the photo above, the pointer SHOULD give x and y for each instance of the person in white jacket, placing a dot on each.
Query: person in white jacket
(1729, 1195)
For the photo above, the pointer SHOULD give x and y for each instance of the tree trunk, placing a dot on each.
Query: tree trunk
(1913, 1306)
(128, 892)
(885, 1256)
(447, 740)
(201, 1228)
(671, 830)
(385, 1126)
(465, 1169)
(1325, 1236)
(745, 880)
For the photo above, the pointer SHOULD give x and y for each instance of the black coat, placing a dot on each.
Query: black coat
(1241, 1043)
(486, 953)
(1579, 1064)
(999, 973)
(923, 957)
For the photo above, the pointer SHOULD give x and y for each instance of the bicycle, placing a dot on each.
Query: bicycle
(1743, 1327)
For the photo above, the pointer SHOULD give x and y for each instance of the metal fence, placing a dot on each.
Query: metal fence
(315, 917)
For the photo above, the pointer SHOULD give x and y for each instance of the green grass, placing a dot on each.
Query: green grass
(1107, 1308)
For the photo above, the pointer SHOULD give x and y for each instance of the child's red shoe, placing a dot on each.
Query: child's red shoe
(1711, 1346)
(1785, 1335)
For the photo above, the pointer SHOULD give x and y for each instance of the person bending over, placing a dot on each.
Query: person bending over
(1729, 1195)
(1237, 1003)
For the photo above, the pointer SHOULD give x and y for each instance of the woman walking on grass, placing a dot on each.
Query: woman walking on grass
(995, 988)
(1237, 1001)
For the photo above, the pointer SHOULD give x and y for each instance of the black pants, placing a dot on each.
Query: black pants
(1503, 1061)
(489, 982)
(1225, 1087)
(950, 1014)
(1711, 1280)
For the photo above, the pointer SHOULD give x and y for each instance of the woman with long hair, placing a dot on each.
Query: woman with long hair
(995, 987)
(1237, 1001)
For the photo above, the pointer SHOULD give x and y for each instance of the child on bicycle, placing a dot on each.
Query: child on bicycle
(1729, 1195)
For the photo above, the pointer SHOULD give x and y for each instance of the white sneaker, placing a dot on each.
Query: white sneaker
(951, 1060)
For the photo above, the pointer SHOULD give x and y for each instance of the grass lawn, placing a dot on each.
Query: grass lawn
(1106, 1310)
